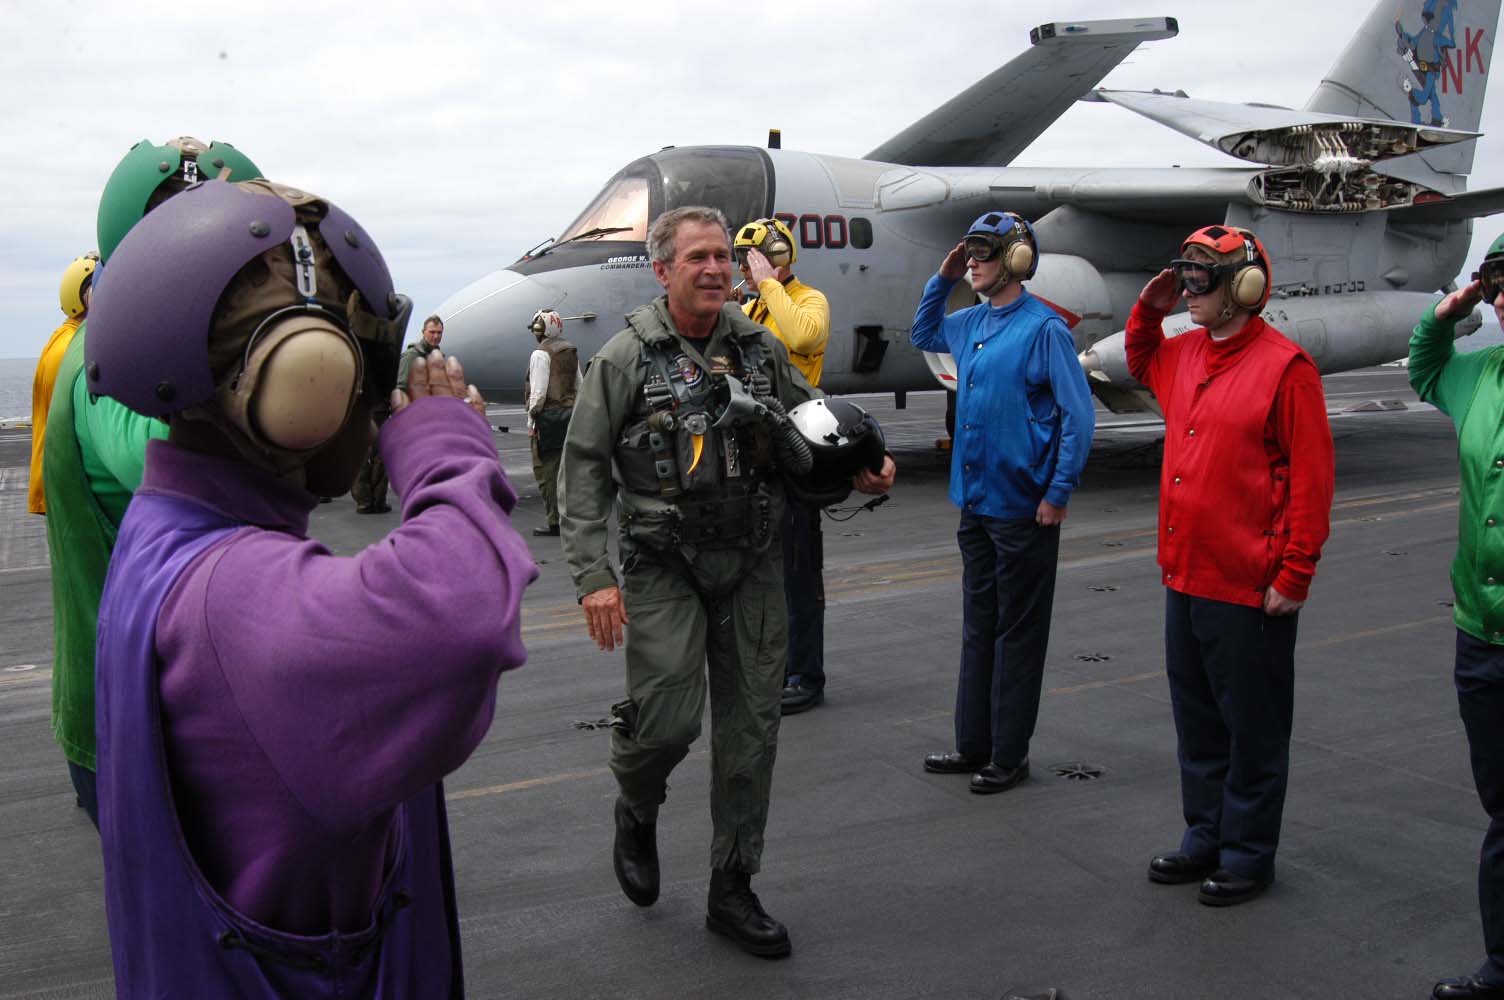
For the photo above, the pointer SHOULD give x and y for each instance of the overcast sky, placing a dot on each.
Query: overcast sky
(460, 135)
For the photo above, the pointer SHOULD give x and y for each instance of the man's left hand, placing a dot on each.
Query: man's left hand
(876, 483)
(759, 267)
(1276, 603)
(1048, 515)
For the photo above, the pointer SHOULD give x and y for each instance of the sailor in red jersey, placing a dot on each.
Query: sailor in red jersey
(1244, 507)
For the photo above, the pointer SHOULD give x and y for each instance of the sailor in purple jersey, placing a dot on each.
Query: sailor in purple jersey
(274, 721)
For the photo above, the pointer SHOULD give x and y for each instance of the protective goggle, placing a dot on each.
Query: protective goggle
(1491, 273)
(983, 248)
(1197, 277)
(740, 253)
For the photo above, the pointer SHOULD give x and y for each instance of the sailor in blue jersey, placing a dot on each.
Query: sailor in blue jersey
(1024, 421)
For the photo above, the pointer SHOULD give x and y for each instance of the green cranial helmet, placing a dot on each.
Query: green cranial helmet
(149, 174)
(1495, 249)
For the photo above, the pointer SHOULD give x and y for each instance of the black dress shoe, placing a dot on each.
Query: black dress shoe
(995, 778)
(953, 763)
(1176, 868)
(1466, 988)
(376, 509)
(798, 698)
(635, 856)
(546, 531)
(734, 910)
(1223, 888)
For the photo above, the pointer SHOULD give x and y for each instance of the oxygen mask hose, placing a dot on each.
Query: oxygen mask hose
(794, 456)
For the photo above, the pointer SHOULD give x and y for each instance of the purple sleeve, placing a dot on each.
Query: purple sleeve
(365, 679)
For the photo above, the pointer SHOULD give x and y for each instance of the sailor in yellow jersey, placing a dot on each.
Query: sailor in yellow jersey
(73, 296)
(799, 316)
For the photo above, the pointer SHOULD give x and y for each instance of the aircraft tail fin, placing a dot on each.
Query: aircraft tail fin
(1425, 62)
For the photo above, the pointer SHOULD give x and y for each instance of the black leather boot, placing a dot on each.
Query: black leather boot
(634, 855)
(734, 910)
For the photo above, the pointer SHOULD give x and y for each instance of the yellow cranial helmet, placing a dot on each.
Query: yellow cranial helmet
(772, 237)
(76, 279)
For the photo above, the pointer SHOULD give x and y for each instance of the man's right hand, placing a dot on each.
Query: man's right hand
(605, 614)
(1162, 292)
(1460, 302)
(953, 267)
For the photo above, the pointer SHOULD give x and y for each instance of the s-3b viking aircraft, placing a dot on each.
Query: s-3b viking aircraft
(1360, 198)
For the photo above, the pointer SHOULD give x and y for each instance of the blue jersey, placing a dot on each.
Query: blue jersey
(1024, 415)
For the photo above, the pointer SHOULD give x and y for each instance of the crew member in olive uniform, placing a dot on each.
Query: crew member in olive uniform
(433, 333)
(799, 316)
(553, 378)
(678, 417)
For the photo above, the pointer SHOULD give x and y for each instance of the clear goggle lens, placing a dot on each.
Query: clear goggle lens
(1194, 276)
(982, 248)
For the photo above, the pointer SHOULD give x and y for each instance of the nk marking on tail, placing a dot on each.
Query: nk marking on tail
(1434, 64)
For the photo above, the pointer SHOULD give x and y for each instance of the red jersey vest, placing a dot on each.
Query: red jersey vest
(1224, 486)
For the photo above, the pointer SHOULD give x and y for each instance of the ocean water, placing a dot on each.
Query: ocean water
(15, 390)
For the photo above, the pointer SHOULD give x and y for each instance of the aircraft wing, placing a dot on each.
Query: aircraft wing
(1263, 133)
(1469, 205)
(996, 118)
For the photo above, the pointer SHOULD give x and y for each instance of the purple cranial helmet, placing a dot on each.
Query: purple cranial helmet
(204, 292)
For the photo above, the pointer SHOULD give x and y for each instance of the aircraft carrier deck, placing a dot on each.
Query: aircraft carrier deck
(894, 882)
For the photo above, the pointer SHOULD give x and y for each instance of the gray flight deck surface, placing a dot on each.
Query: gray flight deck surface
(894, 882)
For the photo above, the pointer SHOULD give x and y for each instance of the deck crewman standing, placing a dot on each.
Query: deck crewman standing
(1469, 388)
(678, 426)
(799, 316)
(553, 379)
(1024, 421)
(1245, 499)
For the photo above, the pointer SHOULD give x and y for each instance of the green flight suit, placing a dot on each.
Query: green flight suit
(696, 591)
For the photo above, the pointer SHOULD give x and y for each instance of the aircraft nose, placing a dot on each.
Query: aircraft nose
(486, 327)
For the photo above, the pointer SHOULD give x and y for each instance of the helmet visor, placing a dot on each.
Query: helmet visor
(1491, 273)
(982, 248)
(1196, 277)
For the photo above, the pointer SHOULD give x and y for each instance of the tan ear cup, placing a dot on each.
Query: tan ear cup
(777, 249)
(1248, 287)
(299, 383)
(1020, 259)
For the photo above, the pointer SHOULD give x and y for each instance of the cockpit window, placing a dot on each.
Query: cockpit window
(731, 178)
(738, 180)
(620, 212)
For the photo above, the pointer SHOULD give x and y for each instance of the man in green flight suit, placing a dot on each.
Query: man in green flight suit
(680, 419)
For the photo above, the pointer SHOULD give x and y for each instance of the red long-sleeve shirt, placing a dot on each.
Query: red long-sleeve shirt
(1233, 519)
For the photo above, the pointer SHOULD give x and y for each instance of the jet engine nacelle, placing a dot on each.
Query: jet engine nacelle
(1067, 282)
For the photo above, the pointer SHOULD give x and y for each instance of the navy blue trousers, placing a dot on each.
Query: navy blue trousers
(804, 594)
(1008, 586)
(1232, 690)
(85, 788)
(1480, 699)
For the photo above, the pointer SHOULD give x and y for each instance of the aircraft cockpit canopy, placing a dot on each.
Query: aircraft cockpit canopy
(738, 180)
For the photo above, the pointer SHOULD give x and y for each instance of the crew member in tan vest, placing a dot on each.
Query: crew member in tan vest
(553, 377)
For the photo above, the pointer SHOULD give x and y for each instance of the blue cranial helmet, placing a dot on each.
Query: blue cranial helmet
(1013, 239)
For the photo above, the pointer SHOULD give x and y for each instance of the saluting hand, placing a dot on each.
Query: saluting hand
(1460, 302)
(437, 375)
(1162, 292)
(953, 267)
(605, 614)
(759, 268)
